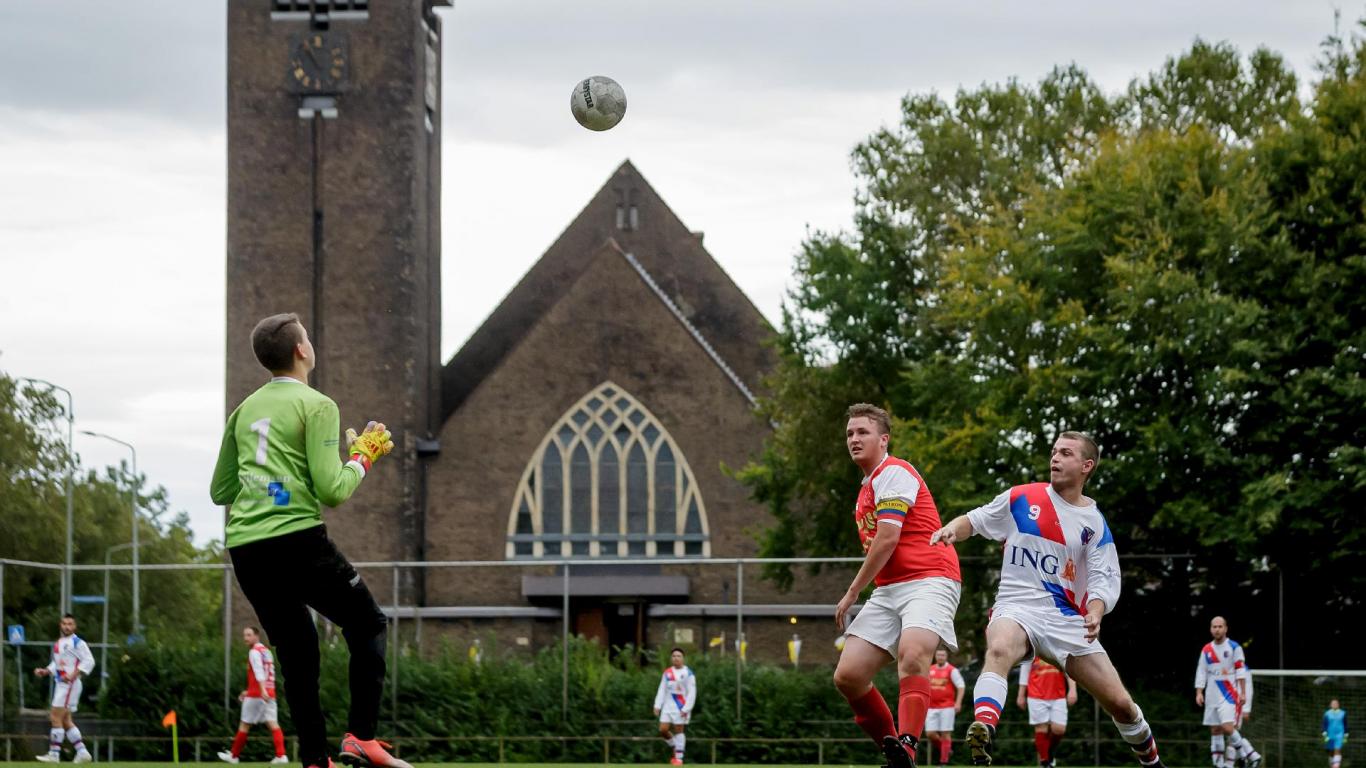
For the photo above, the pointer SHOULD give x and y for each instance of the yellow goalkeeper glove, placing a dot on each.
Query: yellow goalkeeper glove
(372, 443)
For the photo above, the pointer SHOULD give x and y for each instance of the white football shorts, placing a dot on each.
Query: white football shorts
(1219, 710)
(924, 603)
(256, 711)
(940, 719)
(673, 716)
(1047, 711)
(1052, 635)
(67, 695)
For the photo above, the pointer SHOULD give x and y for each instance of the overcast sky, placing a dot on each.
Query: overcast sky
(742, 115)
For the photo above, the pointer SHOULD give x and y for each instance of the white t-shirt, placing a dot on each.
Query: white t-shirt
(1220, 668)
(1057, 557)
(70, 655)
(677, 690)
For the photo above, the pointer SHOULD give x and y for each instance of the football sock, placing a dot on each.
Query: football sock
(987, 696)
(1244, 746)
(669, 739)
(912, 704)
(54, 744)
(1054, 739)
(1042, 744)
(1139, 737)
(1335, 761)
(945, 747)
(278, 736)
(239, 740)
(73, 735)
(1216, 750)
(872, 715)
(679, 741)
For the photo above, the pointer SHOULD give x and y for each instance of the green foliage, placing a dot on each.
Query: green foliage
(33, 471)
(1177, 269)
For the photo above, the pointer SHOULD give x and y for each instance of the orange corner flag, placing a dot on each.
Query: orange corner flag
(168, 720)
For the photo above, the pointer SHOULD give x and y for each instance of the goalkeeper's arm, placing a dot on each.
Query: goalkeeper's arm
(333, 481)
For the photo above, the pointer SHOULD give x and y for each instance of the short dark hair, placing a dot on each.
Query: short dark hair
(273, 340)
(677, 650)
(869, 411)
(68, 616)
(254, 629)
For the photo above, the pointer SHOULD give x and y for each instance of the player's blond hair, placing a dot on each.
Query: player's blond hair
(1089, 449)
(877, 415)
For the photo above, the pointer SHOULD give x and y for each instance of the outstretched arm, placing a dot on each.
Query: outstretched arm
(957, 530)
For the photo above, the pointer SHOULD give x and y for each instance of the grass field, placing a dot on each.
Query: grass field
(472, 765)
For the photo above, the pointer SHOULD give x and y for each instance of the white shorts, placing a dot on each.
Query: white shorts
(1047, 711)
(1052, 635)
(67, 695)
(1219, 710)
(255, 711)
(673, 717)
(939, 720)
(924, 603)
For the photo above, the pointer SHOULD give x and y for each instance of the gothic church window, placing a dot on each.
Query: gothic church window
(608, 481)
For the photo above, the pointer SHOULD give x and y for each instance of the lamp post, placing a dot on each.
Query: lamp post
(133, 492)
(70, 468)
(104, 651)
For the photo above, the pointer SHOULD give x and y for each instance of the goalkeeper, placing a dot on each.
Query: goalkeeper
(277, 467)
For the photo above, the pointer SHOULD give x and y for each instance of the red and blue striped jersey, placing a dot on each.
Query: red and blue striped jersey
(1220, 668)
(1057, 556)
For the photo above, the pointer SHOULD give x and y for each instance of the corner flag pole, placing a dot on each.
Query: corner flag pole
(170, 721)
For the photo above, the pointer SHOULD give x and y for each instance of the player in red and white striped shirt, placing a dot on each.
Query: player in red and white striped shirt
(258, 700)
(910, 613)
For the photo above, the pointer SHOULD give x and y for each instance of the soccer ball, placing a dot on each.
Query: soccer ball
(598, 103)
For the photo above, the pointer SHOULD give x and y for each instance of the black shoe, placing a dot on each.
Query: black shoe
(894, 750)
(979, 741)
(1255, 761)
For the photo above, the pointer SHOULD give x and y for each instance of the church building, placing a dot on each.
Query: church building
(594, 416)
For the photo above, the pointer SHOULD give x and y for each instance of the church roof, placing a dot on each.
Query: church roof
(670, 260)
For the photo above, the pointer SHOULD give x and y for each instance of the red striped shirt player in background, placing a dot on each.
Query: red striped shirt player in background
(1059, 577)
(1046, 693)
(259, 704)
(946, 700)
(910, 613)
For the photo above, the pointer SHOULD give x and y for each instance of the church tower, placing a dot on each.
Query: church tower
(334, 189)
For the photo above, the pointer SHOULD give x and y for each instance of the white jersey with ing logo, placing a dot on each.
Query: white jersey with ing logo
(1057, 556)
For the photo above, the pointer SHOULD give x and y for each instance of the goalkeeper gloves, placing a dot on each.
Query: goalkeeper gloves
(372, 443)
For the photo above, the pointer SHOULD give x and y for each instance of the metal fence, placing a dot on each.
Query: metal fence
(749, 612)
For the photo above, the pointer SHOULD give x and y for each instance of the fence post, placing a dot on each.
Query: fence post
(500, 750)
(564, 651)
(1280, 662)
(393, 652)
(2, 659)
(820, 752)
(606, 750)
(1095, 731)
(739, 633)
(713, 751)
(227, 641)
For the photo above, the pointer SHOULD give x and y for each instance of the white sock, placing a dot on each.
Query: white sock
(988, 696)
(1216, 750)
(679, 741)
(1244, 746)
(669, 739)
(54, 744)
(73, 735)
(1139, 737)
(1335, 761)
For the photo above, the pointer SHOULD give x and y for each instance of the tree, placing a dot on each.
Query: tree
(1176, 269)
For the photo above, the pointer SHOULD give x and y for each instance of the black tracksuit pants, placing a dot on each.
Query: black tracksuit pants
(285, 576)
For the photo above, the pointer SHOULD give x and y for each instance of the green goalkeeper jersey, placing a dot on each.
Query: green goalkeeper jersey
(279, 463)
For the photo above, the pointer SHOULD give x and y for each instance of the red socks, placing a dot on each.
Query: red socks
(912, 704)
(945, 745)
(873, 716)
(238, 741)
(279, 737)
(1043, 744)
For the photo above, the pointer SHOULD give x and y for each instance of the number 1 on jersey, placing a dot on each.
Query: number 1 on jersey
(262, 428)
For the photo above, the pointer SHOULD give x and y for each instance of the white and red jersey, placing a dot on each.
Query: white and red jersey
(945, 683)
(71, 657)
(1057, 557)
(894, 493)
(1042, 680)
(677, 690)
(1220, 668)
(260, 673)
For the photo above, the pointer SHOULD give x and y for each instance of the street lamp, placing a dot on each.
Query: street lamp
(70, 468)
(133, 491)
(104, 652)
